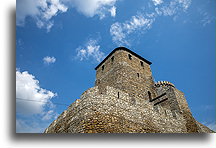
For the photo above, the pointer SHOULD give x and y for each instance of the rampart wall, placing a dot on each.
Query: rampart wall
(110, 112)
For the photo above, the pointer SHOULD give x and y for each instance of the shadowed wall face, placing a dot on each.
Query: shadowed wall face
(177, 104)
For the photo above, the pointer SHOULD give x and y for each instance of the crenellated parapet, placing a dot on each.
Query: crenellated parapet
(164, 83)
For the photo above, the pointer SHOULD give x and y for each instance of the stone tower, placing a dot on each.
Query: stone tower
(125, 99)
(127, 71)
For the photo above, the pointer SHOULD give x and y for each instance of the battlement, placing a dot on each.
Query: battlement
(164, 83)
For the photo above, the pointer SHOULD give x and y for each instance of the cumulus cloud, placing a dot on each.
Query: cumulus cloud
(90, 50)
(31, 98)
(143, 21)
(91, 8)
(41, 11)
(49, 60)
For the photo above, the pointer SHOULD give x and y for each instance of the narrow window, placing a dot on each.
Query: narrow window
(129, 56)
(102, 67)
(112, 59)
(141, 63)
(118, 94)
(138, 75)
(149, 94)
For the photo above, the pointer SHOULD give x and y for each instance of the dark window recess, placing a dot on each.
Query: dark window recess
(141, 63)
(129, 56)
(149, 94)
(102, 67)
(112, 59)
(118, 94)
(138, 75)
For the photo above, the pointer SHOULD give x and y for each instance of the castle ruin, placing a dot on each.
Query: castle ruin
(125, 99)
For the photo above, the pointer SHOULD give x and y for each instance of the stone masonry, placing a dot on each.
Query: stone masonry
(125, 99)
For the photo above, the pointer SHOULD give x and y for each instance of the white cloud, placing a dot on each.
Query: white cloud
(184, 4)
(40, 10)
(90, 50)
(117, 33)
(143, 21)
(137, 22)
(173, 7)
(157, 2)
(120, 31)
(27, 88)
(113, 11)
(49, 60)
(91, 8)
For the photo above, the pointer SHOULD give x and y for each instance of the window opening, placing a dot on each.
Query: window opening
(141, 63)
(149, 94)
(112, 59)
(129, 56)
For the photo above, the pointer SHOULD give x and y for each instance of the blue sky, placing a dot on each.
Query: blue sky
(60, 42)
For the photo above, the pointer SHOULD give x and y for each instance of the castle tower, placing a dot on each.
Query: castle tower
(167, 88)
(127, 71)
(177, 103)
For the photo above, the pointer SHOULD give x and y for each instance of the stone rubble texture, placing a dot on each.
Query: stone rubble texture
(120, 102)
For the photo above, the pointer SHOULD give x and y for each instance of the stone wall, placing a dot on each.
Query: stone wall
(110, 112)
(191, 123)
